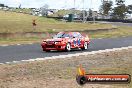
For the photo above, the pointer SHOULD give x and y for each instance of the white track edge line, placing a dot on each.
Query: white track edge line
(70, 55)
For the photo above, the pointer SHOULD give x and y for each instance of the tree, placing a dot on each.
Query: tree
(120, 11)
(106, 7)
(120, 2)
(130, 9)
(44, 10)
(90, 13)
(46, 6)
(2, 5)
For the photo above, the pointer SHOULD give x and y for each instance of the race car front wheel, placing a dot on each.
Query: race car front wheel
(68, 47)
(85, 46)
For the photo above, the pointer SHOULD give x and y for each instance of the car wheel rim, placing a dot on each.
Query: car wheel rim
(85, 45)
(68, 47)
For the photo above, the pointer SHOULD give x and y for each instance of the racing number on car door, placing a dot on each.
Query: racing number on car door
(77, 40)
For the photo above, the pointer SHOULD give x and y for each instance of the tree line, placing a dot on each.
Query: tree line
(119, 11)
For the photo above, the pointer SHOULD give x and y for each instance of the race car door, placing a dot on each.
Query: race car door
(76, 39)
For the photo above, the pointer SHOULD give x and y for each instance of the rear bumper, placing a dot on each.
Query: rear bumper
(53, 47)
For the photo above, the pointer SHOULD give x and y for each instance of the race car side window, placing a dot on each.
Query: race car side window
(79, 35)
(75, 35)
(66, 35)
(59, 35)
(70, 36)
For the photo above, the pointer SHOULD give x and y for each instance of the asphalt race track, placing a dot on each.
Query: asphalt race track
(33, 51)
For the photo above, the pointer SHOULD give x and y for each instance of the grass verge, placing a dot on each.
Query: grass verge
(121, 31)
(11, 22)
(10, 41)
(61, 73)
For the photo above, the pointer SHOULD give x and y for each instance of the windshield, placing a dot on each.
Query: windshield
(61, 35)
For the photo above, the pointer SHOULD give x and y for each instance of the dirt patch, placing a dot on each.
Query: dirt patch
(61, 73)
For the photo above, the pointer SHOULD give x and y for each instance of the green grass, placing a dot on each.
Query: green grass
(121, 31)
(11, 22)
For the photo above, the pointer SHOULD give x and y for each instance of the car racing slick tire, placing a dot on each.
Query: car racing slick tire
(68, 47)
(85, 46)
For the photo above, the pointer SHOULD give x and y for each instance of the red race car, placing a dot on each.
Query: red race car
(66, 41)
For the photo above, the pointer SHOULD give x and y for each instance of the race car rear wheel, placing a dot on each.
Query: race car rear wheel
(68, 47)
(85, 46)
